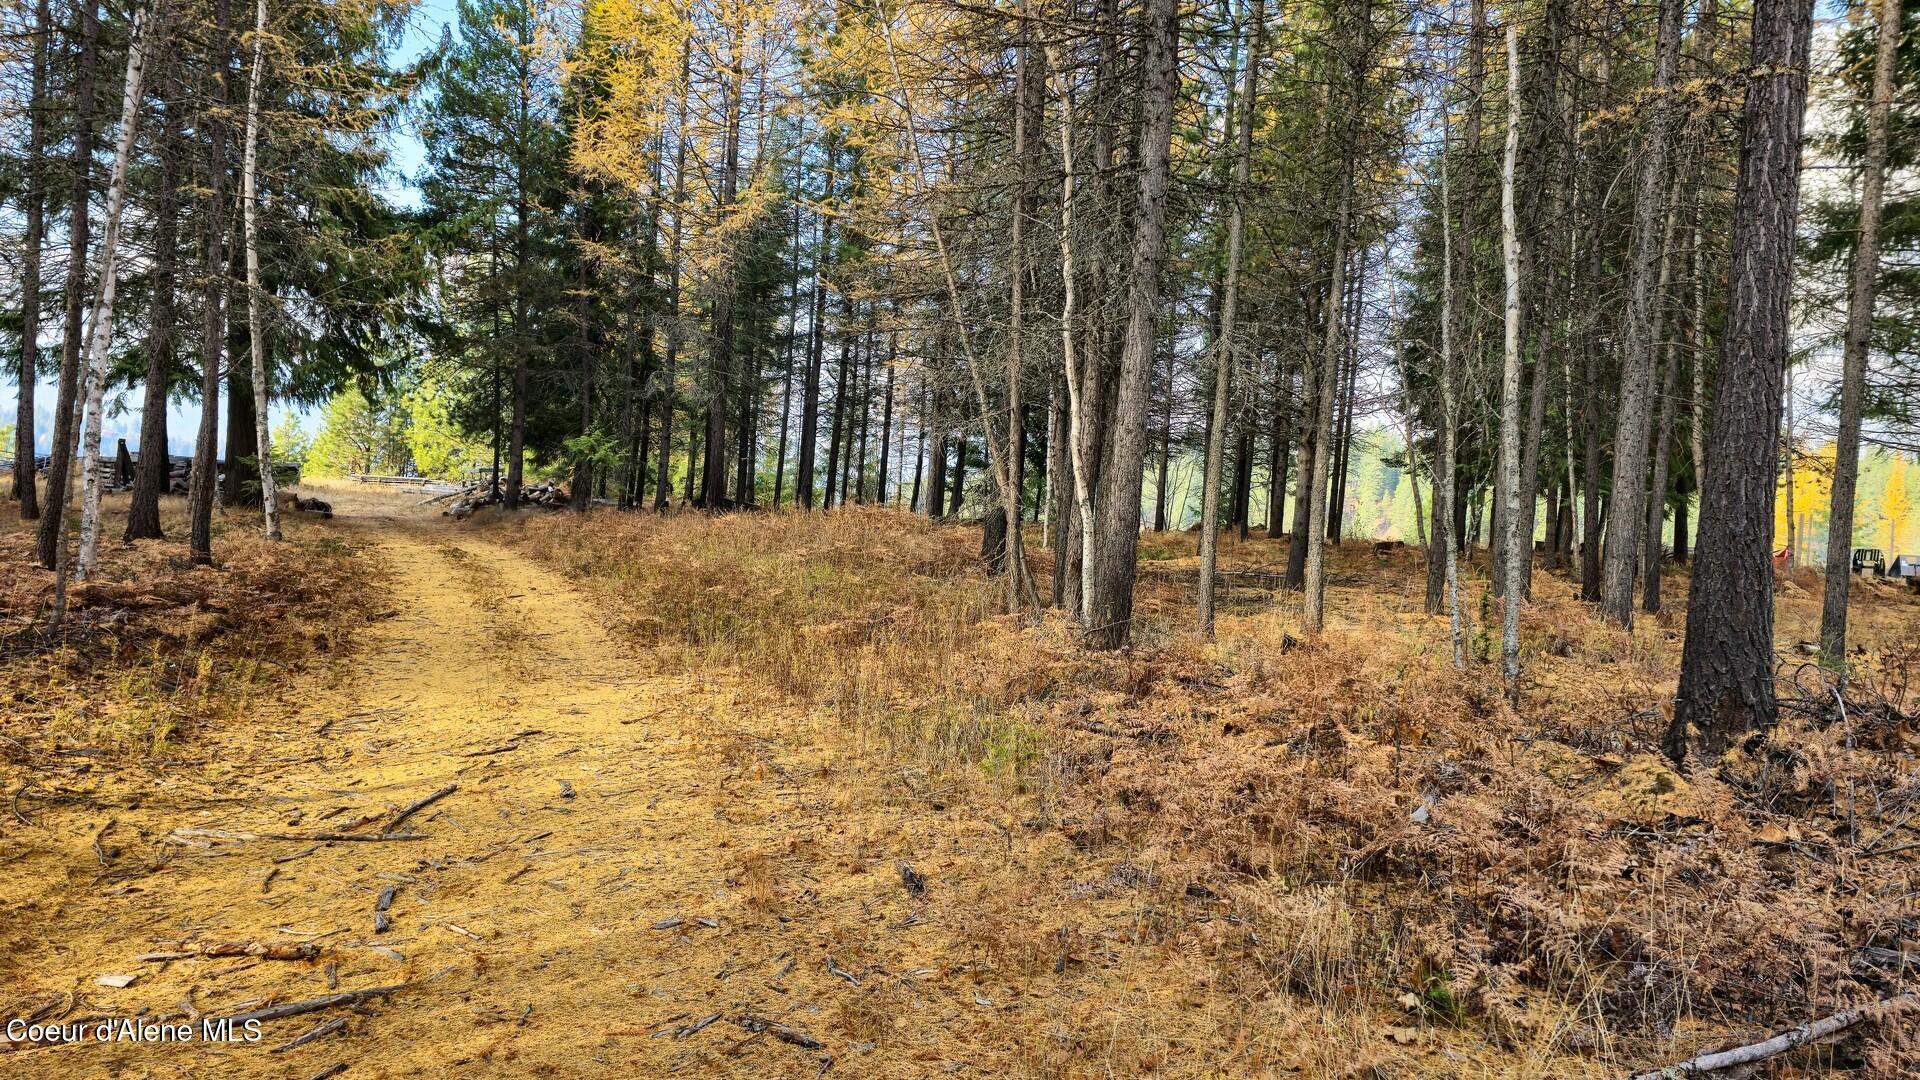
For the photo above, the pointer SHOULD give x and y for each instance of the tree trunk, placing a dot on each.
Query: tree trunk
(1076, 556)
(958, 498)
(936, 470)
(1707, 29)
(1165, 464)
(810, 389)
(143, 511)
(720, 359)
(662, 480)
(867, 349)
(1446, 535)
(1511, 563)
(522, 257)
(838, 424)
(256, 324)
(1316, 569)
(1680, 530)
(1628, 512)
(51, 539)
(1343, 439)
(919, 456)
(1662, 452)
(1117, 509)
(886, 424)
(1225, 346)
(1446, 477)
(100, 322)
(1726, 668)
(1303, 496)
(1866, 267)
(26, 446)
(1278, 451)
(201, 482)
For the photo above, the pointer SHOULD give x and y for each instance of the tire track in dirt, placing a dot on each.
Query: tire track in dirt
(570, 898)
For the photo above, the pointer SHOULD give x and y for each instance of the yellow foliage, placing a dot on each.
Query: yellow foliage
(1896, 508)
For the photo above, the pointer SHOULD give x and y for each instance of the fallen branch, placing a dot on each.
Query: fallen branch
(503, 748)
(205, 838)
(345, 997)
(418, 805)
(263, 950)
(318, 1031)
(758, 1024)
(297, 1008)
(331, 836)
(1781, 1043)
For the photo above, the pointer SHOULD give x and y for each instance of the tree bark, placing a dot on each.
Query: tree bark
(1076, 557)
(143, 511)
(1224, 344)
(1279, 450)
(662, 480)
(1512, 564)
(51, 538)
(1316, 569)
(26, 474)
(1627, 514)
(256, 325)
(213, 329)
(100, 322)
(886, 424)
(1117, 509)
(720, 360)
(1444, 543)
(1853, 380)
(1651, 557)
(1726, 667)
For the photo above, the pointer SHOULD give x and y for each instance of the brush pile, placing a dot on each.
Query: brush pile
(547, 495)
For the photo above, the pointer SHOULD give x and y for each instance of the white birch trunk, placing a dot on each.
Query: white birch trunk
(1076, 407)
(101, 328)
(250, 226)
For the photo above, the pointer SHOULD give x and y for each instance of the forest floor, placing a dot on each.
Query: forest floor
(784, 796)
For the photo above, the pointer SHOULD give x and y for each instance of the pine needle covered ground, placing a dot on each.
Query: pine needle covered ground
(1336, 854)
(767, 795)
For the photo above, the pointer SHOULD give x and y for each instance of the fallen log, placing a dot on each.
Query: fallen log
(1783, 1042)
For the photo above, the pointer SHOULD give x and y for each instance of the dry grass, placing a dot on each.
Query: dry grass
(1242, 845)
(153, 647)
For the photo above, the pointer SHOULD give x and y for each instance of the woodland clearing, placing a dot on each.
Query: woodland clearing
(778, 794)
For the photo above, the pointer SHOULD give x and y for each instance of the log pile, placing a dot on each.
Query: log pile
(548, 495)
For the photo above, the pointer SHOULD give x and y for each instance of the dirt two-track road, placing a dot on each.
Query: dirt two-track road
(619, 876)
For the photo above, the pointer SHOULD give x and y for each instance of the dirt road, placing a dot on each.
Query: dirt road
(594, 894)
